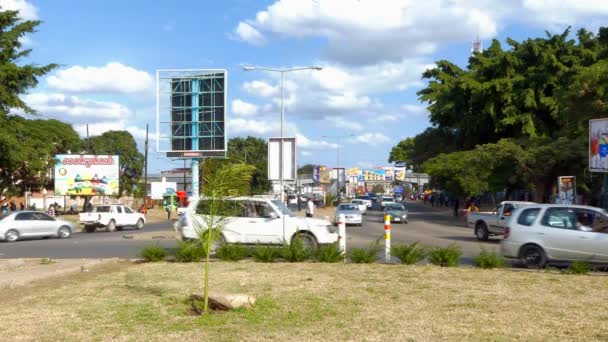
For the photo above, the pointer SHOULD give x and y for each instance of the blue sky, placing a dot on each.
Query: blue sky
(372, 54)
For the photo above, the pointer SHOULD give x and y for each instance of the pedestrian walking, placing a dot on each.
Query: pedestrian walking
(51, 211)
(21, 206)
(13, 206)
(4, 208)
(310, 212)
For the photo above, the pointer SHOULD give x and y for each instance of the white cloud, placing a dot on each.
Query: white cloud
(75, 109)
(27, 11)
(306, 153)
(248, 33)
(371, 139)
(364, 32)
(260, 88)
(365, 164)
(346, 123)
(386, 118)
(242, 108)
(272, 128)
(414, 110)
(304, 142)
(112, 78)
(554, 12)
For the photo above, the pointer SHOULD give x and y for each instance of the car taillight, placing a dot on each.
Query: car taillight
(507, 232)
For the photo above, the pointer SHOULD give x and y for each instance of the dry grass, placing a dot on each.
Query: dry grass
(308, 301)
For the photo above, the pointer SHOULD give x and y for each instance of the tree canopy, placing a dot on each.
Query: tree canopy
(513, 118)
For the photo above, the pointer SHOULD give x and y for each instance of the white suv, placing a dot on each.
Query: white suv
(538, 234)
(259, 220)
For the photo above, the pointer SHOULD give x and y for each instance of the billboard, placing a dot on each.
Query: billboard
(86, 175)
(598, 145)
(324, 175)
(566, 189)
(315, 174)
(158, 189)
(400, 173)
(288, 167)
(190, 112)
(374, 175)
(388, 173)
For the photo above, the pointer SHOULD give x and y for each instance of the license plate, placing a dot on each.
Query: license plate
(397, 219)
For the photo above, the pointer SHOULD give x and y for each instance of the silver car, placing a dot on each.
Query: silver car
(351, 212)
(397, 211)
(539, 234)
(25, 224)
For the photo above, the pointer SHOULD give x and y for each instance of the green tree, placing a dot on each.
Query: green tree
(378, 189)
(16, 76)
(123, 144)
(253, 151)
(307, 169)
(229, 180)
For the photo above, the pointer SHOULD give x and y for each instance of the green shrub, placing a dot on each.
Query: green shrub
(189, 252)
(445, 256)
(329, 253)
(230, 252)
(295, 251)
(265, 253)
(408, 254)
(579, 267)
(365, 255)
(153, 253)
(487, 259)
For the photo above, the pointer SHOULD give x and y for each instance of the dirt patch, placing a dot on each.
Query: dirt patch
(160, 235)
(20, 272)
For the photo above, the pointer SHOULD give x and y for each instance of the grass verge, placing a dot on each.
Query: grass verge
(312, 301)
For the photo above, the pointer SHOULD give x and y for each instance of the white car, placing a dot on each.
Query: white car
(542, 233)
(257, 220)
(386, 200)
(361, 204)
(366, 199)
(351, 213)
(23, 224)
(112, 217)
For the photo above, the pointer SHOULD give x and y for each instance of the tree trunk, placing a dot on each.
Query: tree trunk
(539, 191)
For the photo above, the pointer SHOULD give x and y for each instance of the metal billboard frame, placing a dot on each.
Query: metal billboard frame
(163, 74)
(294, 163)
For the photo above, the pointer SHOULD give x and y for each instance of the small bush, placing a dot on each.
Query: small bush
(295, 251)
(445, 256)
(330, 253)
(365, 255)
(487, 259)
(579, 267)
(189, 252)
(229, 252)
(265, 253)
(153, 253)
(46, 261)
(408, 254)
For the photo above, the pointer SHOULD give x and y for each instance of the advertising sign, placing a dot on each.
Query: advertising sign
(388, 173)
(158, 189)
(315, 175)
(400, 173)
(566, 189)
(398, 189)
(86, 175)
(353, 171)
(288, 168)
(598, 145)
(324, 175)
(374, 174)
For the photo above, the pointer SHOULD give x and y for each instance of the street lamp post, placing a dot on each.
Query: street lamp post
(338, 137)
(282, 71)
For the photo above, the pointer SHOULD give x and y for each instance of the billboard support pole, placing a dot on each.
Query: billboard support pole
(146, 168)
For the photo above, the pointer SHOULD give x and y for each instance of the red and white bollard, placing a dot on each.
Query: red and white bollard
(342, 233)
(387, 238)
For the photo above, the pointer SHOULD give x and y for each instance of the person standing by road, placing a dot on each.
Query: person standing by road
(21, 206)
(311, 208)
(13, 206)
(51, 211)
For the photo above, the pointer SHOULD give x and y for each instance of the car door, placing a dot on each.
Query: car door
(266, 225)
(130, 216)
(598, 237)
(26, 225)
(560, 235)
(495, 221)
(46, 223)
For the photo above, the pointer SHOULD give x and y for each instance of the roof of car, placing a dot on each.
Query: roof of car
(577, 206)
(518, 202)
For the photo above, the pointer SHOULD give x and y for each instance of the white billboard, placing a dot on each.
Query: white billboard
(566, 189)
(86, 175)
(158, 189)
(288, 168)
(598, 145)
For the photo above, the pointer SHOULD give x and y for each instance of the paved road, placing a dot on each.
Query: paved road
(426, 225)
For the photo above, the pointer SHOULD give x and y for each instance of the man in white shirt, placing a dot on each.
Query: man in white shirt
(311, 208)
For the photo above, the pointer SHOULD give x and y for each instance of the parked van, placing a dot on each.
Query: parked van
(256, 220)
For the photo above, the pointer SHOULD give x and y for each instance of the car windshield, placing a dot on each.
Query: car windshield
(102, 209)
(347, 207)
(395, 206)
(356, 201)
(387, 199)
(282, 207)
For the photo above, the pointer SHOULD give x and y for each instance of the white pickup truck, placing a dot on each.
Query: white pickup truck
(486, 224)
(112, 217)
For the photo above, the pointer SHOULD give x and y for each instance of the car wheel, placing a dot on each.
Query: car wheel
(533, 256)
(481, 231)
(11, 235)
(111, 226)
(309, 241)
(140, 224)
(89, 229)
(64, 233)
